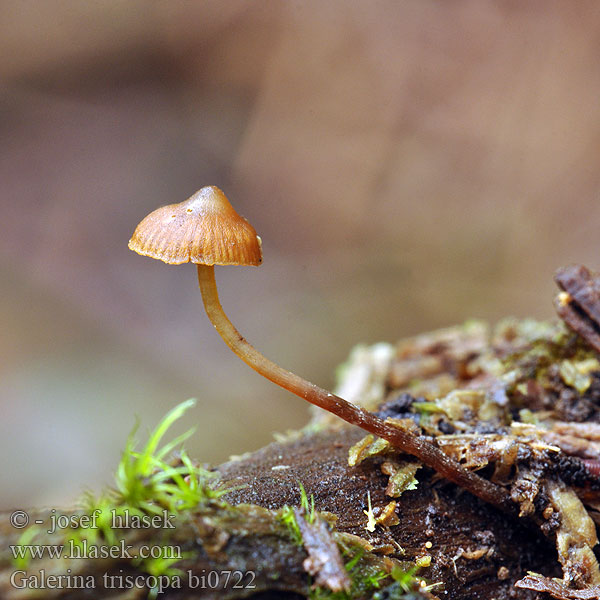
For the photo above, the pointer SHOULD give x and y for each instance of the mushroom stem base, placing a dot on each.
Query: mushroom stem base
(402, 439)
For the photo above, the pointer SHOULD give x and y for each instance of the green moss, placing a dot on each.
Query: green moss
(366, 573)
(288, 518)
(365, 578)
(147, 484)
(370, 581)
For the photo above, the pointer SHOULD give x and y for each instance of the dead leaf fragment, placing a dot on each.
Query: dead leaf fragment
(366, 447)
(402, 477)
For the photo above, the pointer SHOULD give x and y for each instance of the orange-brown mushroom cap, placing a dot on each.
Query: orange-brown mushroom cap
(205, 229)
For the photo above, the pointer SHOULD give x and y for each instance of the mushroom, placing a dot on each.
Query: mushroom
(207, 231)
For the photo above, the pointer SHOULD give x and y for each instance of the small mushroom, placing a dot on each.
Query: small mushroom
(207, 231)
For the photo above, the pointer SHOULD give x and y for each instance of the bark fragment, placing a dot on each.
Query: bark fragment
(324, 560)
(579, 303)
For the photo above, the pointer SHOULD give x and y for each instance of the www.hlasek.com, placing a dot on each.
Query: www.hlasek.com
(74, 550)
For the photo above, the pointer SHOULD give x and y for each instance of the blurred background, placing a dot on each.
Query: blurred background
(408, 165)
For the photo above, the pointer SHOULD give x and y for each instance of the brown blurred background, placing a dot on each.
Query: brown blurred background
(407, 164)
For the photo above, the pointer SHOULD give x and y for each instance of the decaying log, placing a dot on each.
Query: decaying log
(520, 404)
(475, 551)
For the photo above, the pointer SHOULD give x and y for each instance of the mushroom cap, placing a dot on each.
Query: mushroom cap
(205, 229)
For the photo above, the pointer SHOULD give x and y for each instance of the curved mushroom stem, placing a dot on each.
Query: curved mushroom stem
(401, 439)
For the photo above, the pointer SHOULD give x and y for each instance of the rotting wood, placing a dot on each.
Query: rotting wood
(518, 404)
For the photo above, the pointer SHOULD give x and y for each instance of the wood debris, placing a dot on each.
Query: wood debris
(324, 561)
